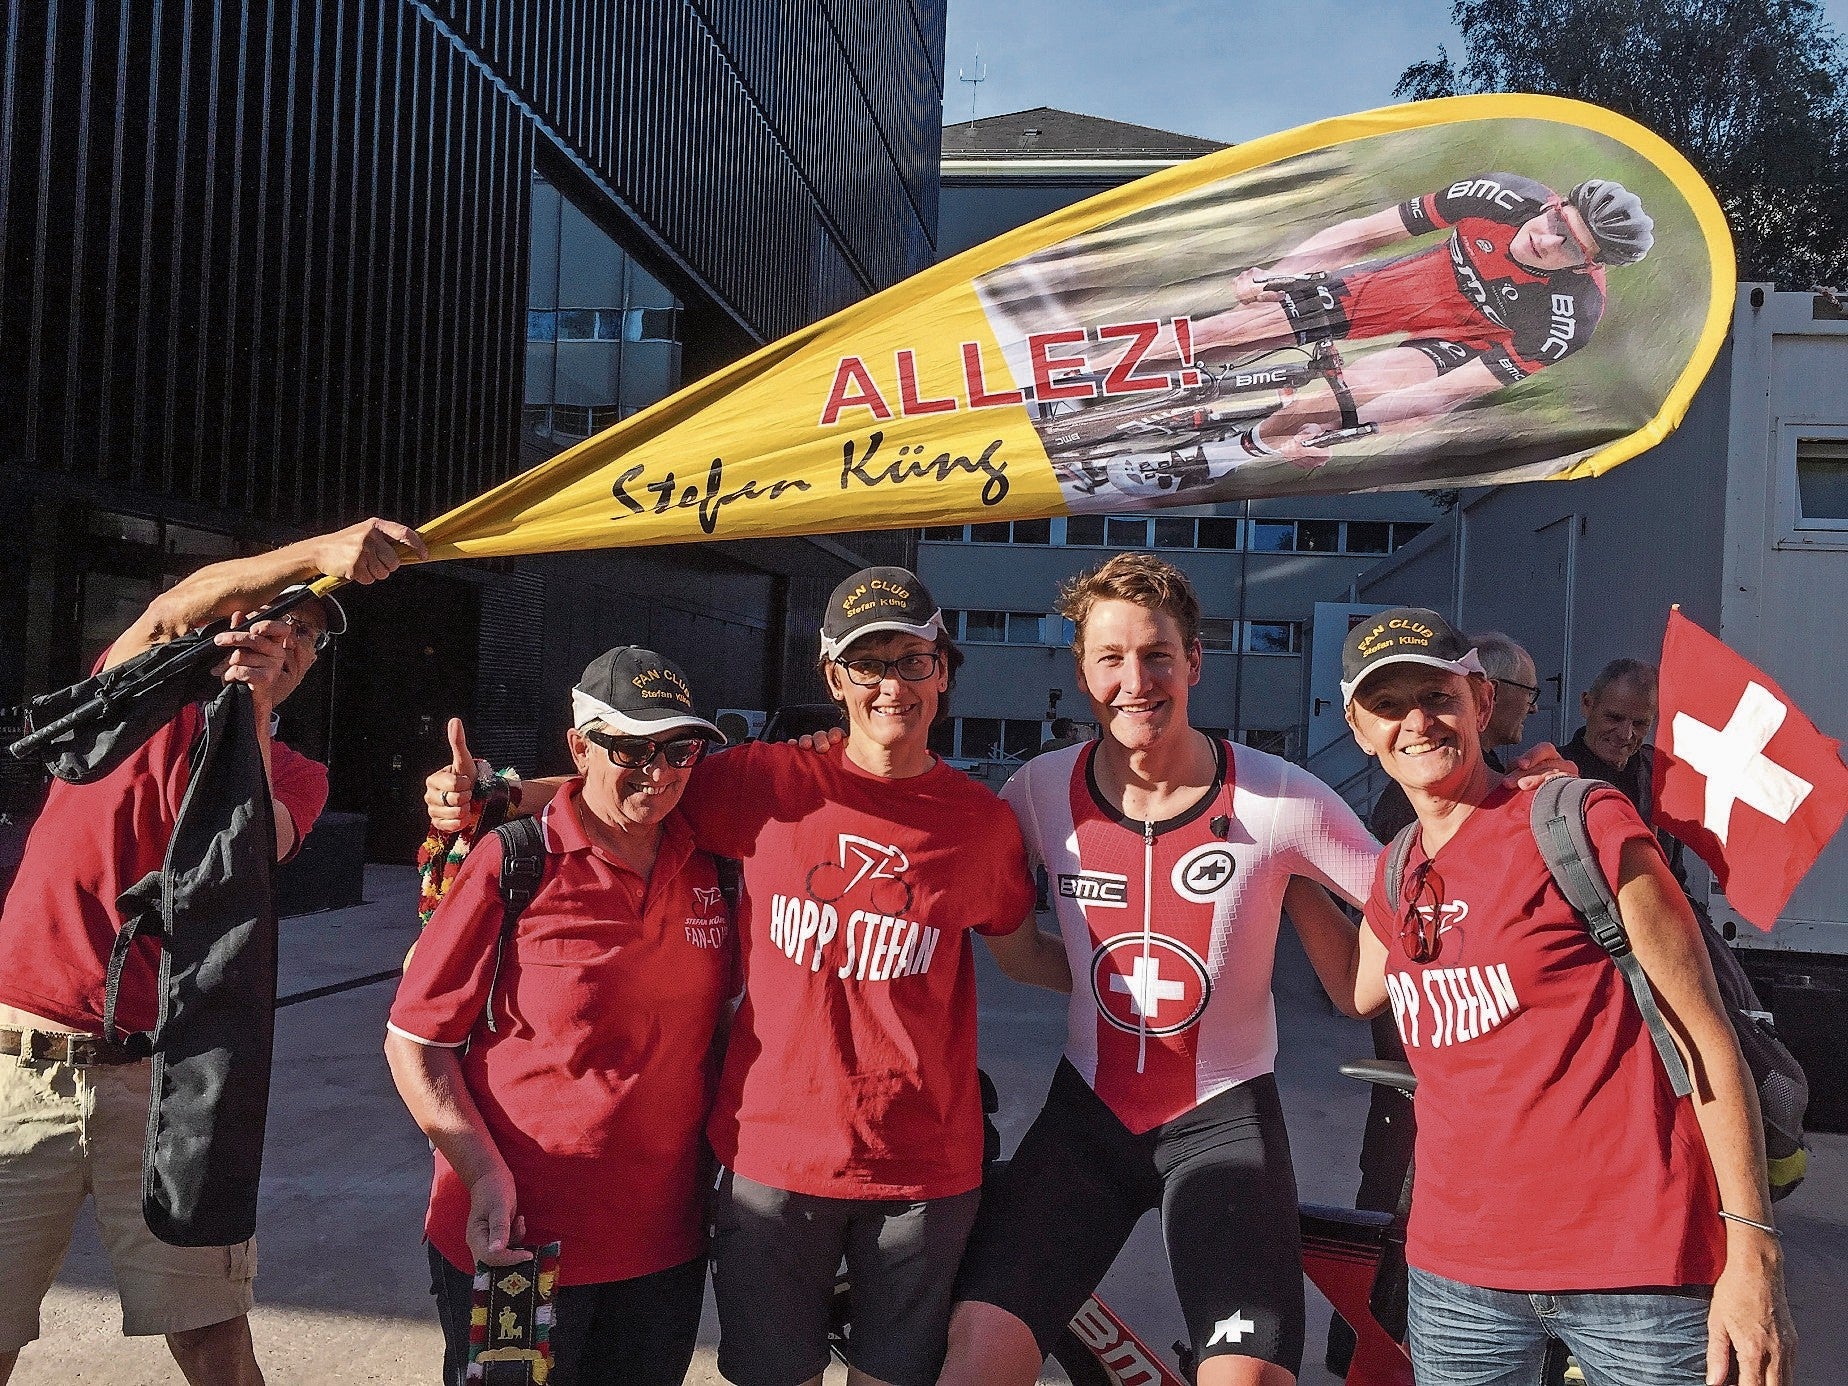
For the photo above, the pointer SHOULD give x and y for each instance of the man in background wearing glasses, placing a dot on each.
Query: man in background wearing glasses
(73, 1107)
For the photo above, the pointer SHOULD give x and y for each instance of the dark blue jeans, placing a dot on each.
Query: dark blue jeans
(1465, 1336)
(636, 1332)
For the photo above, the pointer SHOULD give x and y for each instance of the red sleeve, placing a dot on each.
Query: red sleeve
(1014, 892)
(445, 986)
(300, 786)
(719, 804)
(1612, 824)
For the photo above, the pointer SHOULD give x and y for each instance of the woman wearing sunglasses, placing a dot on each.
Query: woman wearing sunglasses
(848, 1121)
(564, 1072)
(1565, 1194)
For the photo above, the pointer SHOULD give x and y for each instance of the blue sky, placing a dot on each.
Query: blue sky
(1228, 70)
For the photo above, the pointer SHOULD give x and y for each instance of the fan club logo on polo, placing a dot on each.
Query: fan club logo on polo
(877, 944)
(707, 930)
(1149, 984)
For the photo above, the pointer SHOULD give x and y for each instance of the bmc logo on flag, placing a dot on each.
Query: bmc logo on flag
(1741, 775)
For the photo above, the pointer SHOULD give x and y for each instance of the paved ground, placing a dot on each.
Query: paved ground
(343, 1283)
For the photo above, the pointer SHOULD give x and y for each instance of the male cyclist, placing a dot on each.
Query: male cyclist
(1517, 286)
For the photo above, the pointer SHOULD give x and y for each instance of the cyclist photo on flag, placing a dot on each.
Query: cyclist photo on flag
(1359, 315)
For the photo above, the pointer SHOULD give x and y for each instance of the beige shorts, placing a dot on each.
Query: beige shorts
(70, 1132)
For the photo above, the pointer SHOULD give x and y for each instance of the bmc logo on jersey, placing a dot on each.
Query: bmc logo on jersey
(1152, 985)
(1096, 888)
(1202, 873)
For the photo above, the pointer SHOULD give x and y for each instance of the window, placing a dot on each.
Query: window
(1217, 532)
(577, 324)
(951, 534)
(980, 737)
(1403, 534)
(1033, 531)
(647, 325)
(1273, 536)
(1822, 481)
(1084, 530)
(1369, 536)
(997, 738)
(1023, 628)
(985, 625)
(1174, 531)
(1123, 532)
(990, 534)
(1318, 536)
(541, 327)
(1273, 637)
(1277, 741)
(1218, 633)
(952, 622)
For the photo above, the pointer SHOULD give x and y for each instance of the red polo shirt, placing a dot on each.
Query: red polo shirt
(89, 844)
(595, 1087)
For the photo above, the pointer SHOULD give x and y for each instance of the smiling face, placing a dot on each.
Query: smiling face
(1424, 724)
(894, 714)
(621, 797)
(1135, 667)
(1618, 721)
(1557, 239)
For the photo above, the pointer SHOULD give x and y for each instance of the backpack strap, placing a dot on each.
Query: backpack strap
(1396, 856)
(1565, 843)
(522, 865)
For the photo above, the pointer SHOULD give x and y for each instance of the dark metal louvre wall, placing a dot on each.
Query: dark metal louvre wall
(777, 125)
(264, 257)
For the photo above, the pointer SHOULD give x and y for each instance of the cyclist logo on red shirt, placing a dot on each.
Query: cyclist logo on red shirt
(882, 866)
(1149, 984)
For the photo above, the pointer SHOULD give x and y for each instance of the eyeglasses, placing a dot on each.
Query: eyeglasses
(1533, 694)
(912, 668)
(1557, 223)
(1419, 926)
(315, 634)
(639, 752)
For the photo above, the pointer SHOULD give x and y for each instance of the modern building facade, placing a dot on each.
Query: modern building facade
(1259, 567)
(269, 268)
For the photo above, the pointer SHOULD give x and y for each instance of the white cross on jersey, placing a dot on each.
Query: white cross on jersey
(1145, 988)
(1732, 759)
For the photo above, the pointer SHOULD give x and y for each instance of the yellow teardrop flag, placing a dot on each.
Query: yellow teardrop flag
(1480, 289)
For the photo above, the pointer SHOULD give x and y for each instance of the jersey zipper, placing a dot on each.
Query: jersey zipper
(1148, 906)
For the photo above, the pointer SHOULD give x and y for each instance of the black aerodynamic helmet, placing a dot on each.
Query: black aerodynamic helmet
(1623, 230)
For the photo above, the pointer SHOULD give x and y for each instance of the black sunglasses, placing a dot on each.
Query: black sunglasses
(1419, 925)
(638, 752)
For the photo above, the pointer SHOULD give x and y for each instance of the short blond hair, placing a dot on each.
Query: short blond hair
(1150, 582)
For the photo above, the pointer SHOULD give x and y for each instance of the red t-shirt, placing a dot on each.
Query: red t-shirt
(89, 844)
(1552, 1153)
(850, 1072)
(597, 1081)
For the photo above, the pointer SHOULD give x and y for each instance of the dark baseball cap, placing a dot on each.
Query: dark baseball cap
(638, 693)
(874, 600)
(1403, 635)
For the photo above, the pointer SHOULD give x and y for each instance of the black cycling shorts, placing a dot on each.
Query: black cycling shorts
(1055, 1217)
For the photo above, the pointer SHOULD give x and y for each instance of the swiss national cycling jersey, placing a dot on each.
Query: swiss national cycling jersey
(1171, 927)
(1541, 318)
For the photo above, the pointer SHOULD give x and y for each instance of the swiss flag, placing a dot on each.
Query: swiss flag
(1741, 775)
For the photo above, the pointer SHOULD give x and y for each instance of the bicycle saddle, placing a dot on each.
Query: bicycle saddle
(1388, 1072)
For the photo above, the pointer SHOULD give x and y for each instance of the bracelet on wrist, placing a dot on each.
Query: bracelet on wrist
(1764, 1227)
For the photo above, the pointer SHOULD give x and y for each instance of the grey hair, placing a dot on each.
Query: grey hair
(1635, 671)
(1501, 656)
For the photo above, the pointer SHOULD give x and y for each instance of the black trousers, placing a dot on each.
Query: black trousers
(636, 1332)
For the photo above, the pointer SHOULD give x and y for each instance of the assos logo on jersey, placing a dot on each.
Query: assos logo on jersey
(1096, 888)
(1202, 873)
(1156, 986)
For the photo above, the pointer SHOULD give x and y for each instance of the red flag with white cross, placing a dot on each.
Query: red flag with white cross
(1741, 775)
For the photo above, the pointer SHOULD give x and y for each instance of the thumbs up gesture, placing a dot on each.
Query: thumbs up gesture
(449, 793)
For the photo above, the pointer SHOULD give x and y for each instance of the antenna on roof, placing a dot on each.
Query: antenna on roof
(981, 76)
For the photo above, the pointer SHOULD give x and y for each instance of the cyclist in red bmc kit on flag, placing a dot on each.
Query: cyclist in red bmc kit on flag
(1517, 286)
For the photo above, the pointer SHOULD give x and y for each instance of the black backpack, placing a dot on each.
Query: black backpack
(1565, 844)
(522, 866)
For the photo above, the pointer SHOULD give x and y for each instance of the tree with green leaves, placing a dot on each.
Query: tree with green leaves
(1753, 92)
